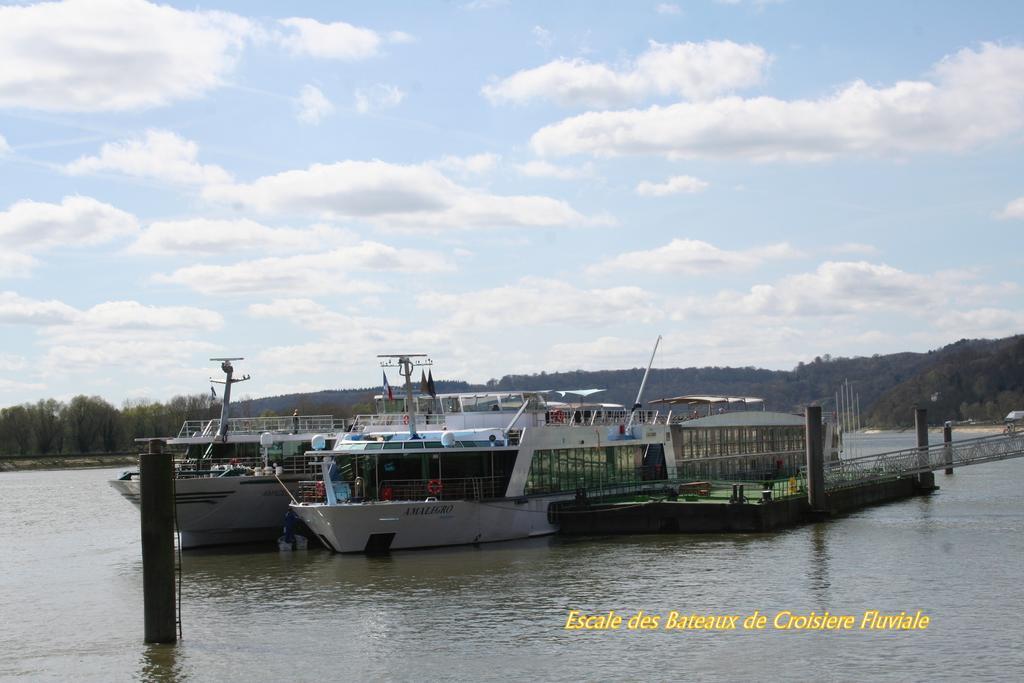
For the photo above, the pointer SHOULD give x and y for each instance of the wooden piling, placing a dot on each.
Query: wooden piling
(947, 442)
(815, 459)
(925, 479)
(156, 495)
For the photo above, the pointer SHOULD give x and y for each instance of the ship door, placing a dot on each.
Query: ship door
(654, 462)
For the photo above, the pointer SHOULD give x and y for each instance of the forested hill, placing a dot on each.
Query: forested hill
(971, 379)
(968, 381)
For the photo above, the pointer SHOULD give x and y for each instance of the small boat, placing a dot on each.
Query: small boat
(235, 476)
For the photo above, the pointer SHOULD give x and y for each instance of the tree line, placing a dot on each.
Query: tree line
(89, 424)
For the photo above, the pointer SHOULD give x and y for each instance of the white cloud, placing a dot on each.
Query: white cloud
(393, 195)
(545, 169)
(13, 264)
(539, 301)
(139, 355)
(1013, 210)
(400, 37)
(308, 273)
(690, 70)
(483, 4)
(19, 310)
(106, 55)
(76, 221)
(667, 8)
(18, 387)
(835, 289)
(313, 105)
(473, 164)
(541, 36)
(219, 236)
(134, 316)
(854, 248)
(337, 40)
(975, 97)
(982, 322)
(161, 154)
(71, 323)
(4, 147)
(10, 362)
(674, 185)
(380, 96)
(602, 352)
(693, 257)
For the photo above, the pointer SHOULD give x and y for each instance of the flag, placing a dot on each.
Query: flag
(387, 387)
(424, 389)
(213, 394)
(431, 389)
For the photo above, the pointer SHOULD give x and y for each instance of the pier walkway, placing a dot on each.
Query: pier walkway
(908, 462)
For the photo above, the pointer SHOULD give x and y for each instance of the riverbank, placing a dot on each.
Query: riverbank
(66, 461)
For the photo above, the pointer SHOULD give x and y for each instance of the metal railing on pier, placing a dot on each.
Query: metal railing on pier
(911, 461)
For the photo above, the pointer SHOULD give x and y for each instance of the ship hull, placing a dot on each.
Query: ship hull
(225, 510)
(398, 525)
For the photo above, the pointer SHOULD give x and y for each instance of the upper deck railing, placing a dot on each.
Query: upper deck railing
(288, 424)
(554, 416)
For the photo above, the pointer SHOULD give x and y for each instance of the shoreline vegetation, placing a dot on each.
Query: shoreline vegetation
(66, 461)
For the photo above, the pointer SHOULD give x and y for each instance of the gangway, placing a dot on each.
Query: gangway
(908, 462)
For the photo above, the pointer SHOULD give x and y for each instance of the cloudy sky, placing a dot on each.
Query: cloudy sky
(508, 186)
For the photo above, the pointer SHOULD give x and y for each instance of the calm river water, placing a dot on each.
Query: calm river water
(71, 603)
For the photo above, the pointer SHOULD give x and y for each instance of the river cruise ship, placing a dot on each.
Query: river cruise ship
(471, 468)
(235, 476)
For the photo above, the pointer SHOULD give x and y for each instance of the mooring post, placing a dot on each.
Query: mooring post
(156, 496)
(947, 443)
(815, 459)
(925, 479)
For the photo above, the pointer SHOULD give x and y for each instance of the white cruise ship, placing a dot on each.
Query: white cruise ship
(467, 468)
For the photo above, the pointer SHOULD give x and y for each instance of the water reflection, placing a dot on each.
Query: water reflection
(159, 662)
(819, 577)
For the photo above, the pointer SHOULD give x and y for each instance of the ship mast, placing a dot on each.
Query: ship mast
(405, 362)
(228, 369)
(643, 383)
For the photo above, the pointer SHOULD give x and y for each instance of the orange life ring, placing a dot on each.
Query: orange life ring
(434, 487)
(387, 493)
(405, 419)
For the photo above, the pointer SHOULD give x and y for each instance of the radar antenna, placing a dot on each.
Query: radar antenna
(405, 362)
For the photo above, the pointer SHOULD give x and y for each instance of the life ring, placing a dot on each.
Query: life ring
(321, 492)
(434, 487)
(387, 493)
(405, 419)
